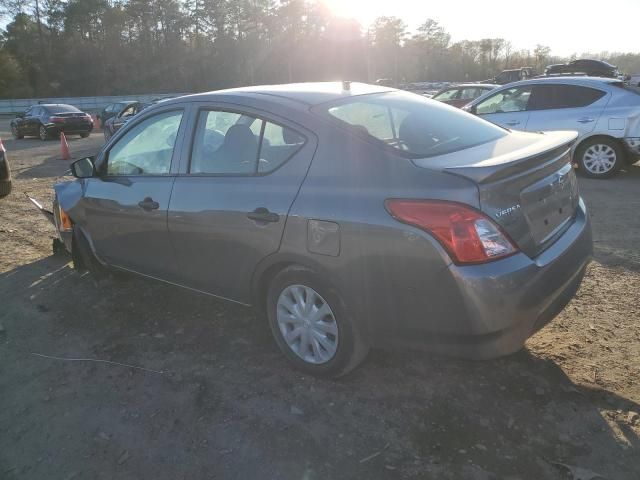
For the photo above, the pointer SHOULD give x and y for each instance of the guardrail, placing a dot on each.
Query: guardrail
(86, 104)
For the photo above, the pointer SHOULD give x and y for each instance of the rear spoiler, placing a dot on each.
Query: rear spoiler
(47, 213)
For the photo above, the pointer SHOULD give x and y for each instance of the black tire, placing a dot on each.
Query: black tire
(43, 134)
(14, 132)
(596, 143)
(5, 188)
(83, 258)
(351, 349)
(84, 135)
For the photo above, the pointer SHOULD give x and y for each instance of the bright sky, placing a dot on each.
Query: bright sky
(567, 26)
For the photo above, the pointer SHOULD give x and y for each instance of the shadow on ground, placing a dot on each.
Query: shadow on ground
(228, 405)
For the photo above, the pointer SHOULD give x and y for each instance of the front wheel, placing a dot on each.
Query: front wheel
(599, 158)
(43, 134)
(310, 324)
(84, 135)
(16, 133)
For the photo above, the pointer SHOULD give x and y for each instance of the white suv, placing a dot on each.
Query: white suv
(604, 112)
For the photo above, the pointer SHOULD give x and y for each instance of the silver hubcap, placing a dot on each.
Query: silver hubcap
(599, 159)
(43, 133)
(307, 324)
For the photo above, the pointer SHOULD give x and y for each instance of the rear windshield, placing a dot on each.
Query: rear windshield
(62, 109)
(412, 125)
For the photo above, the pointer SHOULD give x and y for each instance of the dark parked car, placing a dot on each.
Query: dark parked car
(584, 66)
(354, 215)
(48, 120)
(462, 94)
(114, 123)
(111, 110)
(5, 172)
(513, 75)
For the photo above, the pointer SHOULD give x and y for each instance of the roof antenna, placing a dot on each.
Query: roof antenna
(346, 85)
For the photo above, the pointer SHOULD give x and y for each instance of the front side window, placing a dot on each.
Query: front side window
(147, 148)
(241, 144)
(505, 101)
(411, 124)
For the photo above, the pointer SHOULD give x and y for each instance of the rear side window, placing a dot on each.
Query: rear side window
(234, 143)
(546, 97)
(410, 124)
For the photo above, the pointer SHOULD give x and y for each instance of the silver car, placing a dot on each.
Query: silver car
(354, 216)
(604, 112)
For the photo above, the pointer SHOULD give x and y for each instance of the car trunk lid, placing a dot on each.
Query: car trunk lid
(525, 181)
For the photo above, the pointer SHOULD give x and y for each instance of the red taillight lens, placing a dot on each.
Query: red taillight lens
(467, 235)
(55, 119)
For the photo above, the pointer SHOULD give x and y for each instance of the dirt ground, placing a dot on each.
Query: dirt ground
(218, 400)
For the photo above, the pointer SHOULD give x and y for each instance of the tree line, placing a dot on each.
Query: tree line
(111, 47)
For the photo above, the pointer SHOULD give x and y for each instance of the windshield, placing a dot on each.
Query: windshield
(413, 126)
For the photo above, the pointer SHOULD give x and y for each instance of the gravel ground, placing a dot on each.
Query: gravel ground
(214, 398)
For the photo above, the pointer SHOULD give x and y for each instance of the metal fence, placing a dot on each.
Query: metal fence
(87, 104)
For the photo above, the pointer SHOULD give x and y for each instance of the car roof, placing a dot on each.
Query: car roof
(472, 85)
(312, 93)
(54, 105)
(578, 80)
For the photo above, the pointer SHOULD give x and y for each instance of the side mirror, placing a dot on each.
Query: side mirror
(83, 168)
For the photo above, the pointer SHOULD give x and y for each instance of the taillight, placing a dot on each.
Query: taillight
(55, 119)
(466, 234)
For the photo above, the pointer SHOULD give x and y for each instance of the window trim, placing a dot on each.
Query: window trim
(240, 112)
(104, 160)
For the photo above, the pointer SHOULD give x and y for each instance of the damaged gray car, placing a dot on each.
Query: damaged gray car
(354, 216)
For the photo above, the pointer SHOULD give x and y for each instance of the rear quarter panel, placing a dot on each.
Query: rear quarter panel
(385, 270)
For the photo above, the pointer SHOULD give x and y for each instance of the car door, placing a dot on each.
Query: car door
(229, 206)
(31, 121)
(126, 204)
(507, 107)
(565, 107)
(21, 122)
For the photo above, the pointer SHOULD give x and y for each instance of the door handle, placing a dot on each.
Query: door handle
(512, 123)
(585, 120)
(148, 204)
(262, 214)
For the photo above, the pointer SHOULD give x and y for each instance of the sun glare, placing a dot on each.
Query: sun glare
(364, 11)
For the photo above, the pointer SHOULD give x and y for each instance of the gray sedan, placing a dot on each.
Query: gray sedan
(354, 216)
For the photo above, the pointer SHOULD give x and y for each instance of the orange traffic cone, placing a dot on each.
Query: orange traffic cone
(64, 147)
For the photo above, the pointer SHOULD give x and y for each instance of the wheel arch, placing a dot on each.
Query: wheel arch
(594, 135)
(269, 267)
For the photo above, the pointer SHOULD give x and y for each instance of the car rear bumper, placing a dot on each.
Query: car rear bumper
(499, 305)
(69, 129)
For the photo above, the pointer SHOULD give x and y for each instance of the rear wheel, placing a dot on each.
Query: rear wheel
(84, 135)
(42, 133)
(15, 133)
(311, 325)
(599, 157)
